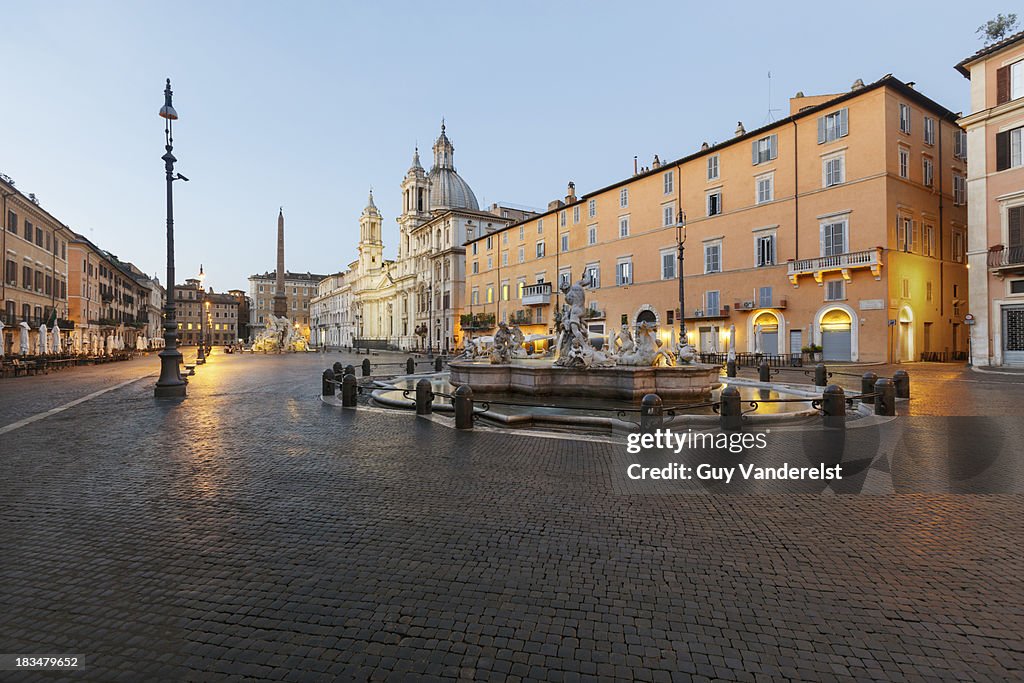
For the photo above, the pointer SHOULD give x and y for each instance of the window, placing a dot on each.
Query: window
(623, 226)
(540, 226)
(715, 203)
(520, 287)
(928, 171)
(593, 273)
(474, 297)
(712, 303)
(764, 297)
(713, 257)
(958, 246)
(504, 291)
(565, 242)
(835, 290)
(928, 291)
(11, 275)
(592, 208)
(959, 189)
(476, 267)
(576, 214)
(624, 197)
(833, 238)
(929, 130)
(669, 182)
(765, 189)
(929, 240)
(765, 149)
(1015, 227)
(904, 156)
(960, 144)
(668, 214)
(905, 287)
(490, 294)
(624, 273)
(764, 246)
(522, 254)
(504, 258)
(1016, 287)
(504, 238)
(834, 171)
(39, 281)
(592, 234)
(906, 237)
(905, 118)
(540, 249)
(490, 262)
(28, 231)
(12, 222)
(522, 232)
(668, 264)
(833, 126)
(561, 217)
(713, 167)
(474, 254)
(490, 242)
(1009, 149)
(564, 278)
(1010, 82)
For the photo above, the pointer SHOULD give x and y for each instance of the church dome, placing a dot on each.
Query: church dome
(447, 188)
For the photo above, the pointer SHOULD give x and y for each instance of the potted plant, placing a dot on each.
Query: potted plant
(812, 352)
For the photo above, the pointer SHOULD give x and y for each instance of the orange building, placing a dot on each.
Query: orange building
(842, 225)
(995, 138)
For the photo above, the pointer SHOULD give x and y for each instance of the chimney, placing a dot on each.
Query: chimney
(635, 170)
(704, 145)
(857, 84)
(740, 130)
(656, 163)
(570, 196)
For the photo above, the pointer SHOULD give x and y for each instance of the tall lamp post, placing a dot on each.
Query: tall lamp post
(170, 384)
(201, 353)
(680, 240)
(430, 321)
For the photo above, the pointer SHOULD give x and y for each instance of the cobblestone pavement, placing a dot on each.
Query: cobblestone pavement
(252, 532)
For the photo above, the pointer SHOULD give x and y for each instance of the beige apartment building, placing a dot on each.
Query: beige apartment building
(35, 282)
(205, 313)
(842, 225)
(995, 187)
(299, 290)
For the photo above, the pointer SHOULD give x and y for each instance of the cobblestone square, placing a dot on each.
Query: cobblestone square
(251, 532)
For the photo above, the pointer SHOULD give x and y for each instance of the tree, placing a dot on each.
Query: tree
(996, 29)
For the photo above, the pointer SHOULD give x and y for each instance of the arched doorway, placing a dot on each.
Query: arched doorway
(905, 342)
(836, 335)
(646, 316)
(765, 333)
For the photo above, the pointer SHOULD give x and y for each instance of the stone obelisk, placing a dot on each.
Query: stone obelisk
(280, 300)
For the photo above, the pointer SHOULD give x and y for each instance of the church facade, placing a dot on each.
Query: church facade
(415, 301)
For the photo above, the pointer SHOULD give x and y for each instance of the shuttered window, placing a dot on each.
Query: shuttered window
(1009, 149)
(1015, 227)
(765, 149)
(833, 126)
(1002, 85)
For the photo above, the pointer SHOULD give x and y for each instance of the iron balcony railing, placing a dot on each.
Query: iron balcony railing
(537, 295)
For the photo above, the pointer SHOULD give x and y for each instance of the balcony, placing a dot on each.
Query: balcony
(537, 295)
(754, 305)
(593, 314)
(1004, 258)
(701, 314)
(844, 263)
(478, 321)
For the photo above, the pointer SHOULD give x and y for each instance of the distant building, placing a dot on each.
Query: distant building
(244, 311)
(995, 188)
(220, 312)
(300, 288)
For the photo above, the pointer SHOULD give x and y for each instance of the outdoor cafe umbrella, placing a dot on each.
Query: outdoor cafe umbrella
(110, 344)
(23, 338)
(140, 343)
(732, 342)
(42, 339)
(56, 338)
(2, 341)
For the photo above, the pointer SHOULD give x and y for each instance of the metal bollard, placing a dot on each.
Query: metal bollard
(328, 383)
(833, 406)
(820, 375)
(764, 372)
(463, 403)
(901, 379)
(437, 364)
(339, 370)
(349, 389)
(424, 397)
(885, 402)
(651, 413)
(867, 386)
(729, 409)
(366, 367)
(730, 368)
(410, 367)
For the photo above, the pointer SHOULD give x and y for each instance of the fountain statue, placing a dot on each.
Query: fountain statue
(570, 322)
(279, 336)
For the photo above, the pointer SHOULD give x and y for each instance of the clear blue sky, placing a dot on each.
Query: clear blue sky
(307, 104)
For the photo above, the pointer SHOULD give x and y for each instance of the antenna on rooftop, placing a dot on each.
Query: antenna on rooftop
(771, 112)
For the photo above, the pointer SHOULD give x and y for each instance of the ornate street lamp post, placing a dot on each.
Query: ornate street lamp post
(201, 353)
(170, 384)
(430, 321)
(680, 240)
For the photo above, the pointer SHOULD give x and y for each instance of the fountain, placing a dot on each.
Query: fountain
(627, 369)
(278, 337)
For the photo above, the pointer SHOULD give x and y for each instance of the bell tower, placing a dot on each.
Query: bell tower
(371, 244)
(415, 198)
